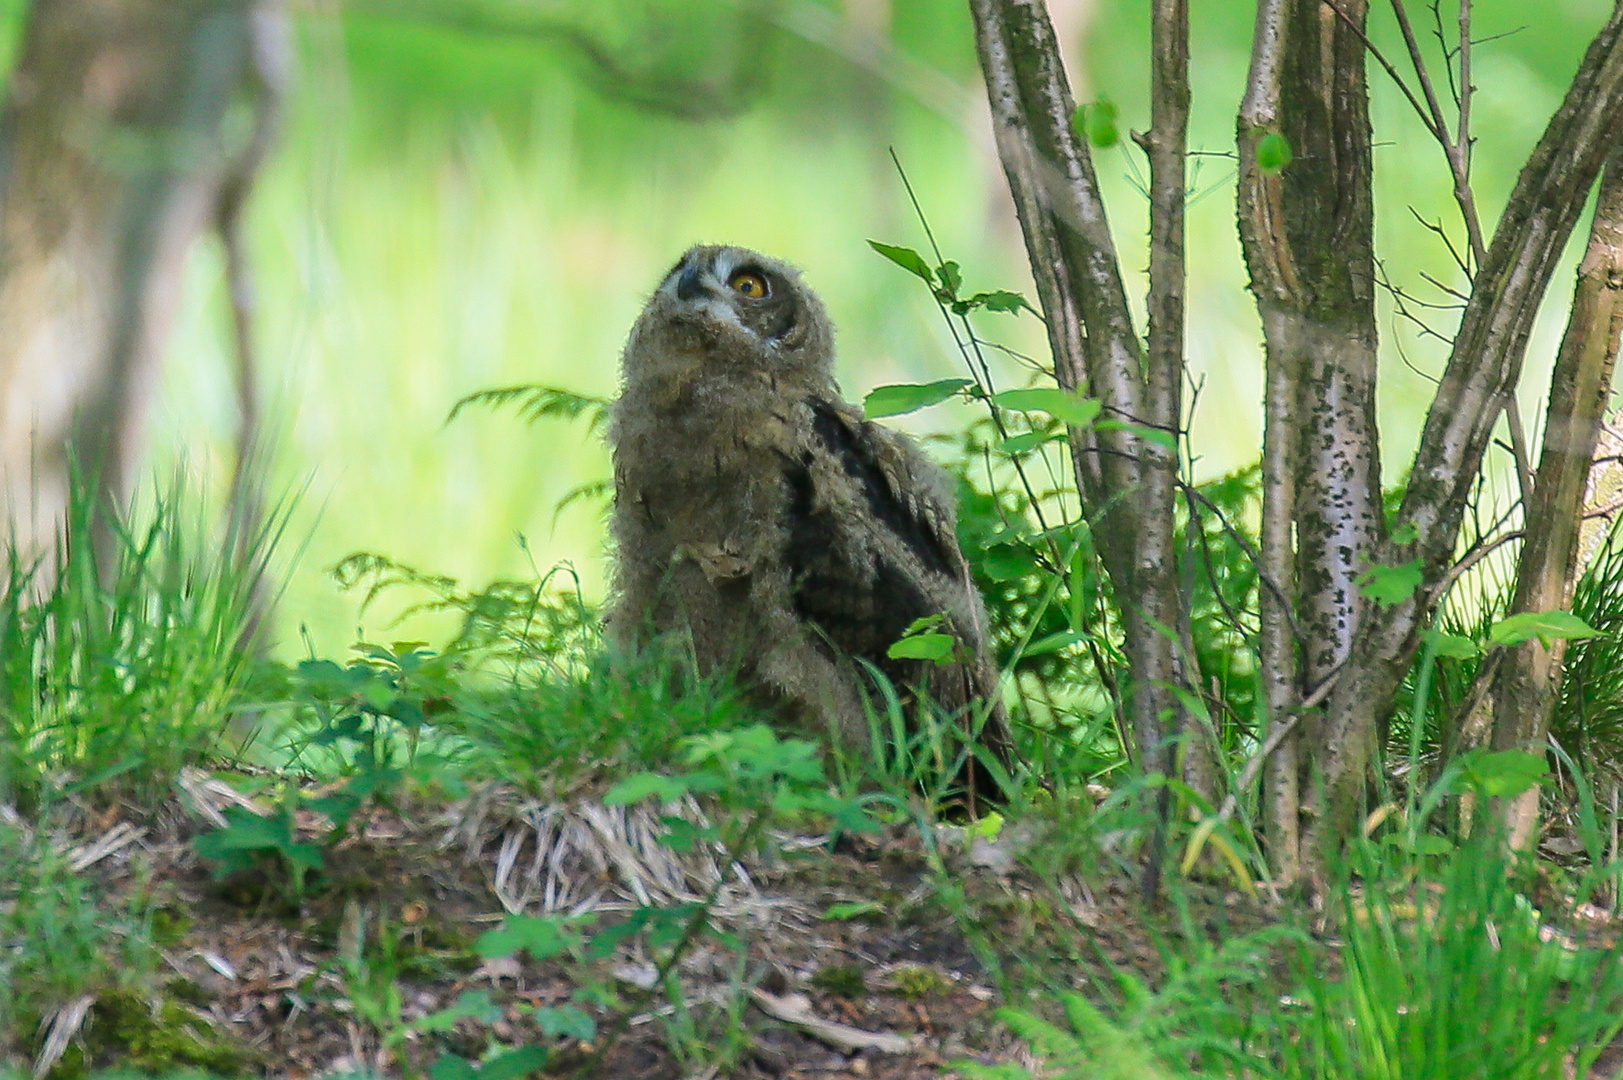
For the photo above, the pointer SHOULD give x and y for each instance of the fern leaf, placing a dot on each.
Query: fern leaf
(535, 402)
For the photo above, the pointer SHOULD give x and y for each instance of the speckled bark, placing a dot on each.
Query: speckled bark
(1308, 237)
(1484, 364)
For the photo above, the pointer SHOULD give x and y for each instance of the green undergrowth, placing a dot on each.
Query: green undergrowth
(1441, 968)
(1433, 951)
(123, 649)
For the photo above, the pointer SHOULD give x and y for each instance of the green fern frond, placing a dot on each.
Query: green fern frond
(535, 402)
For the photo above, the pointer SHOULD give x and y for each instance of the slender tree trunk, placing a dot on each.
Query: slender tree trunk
(1127, 480)
(1308, 234)
(1528, 679)
(1307, 229)
(113, 152)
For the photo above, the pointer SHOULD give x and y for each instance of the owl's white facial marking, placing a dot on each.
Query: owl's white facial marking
(699, 285)
(725, 310)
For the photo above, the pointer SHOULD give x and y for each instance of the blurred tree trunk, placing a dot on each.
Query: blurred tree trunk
(130, 129)
(1528, 676)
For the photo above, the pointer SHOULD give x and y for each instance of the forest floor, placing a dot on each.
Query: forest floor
(842, 962)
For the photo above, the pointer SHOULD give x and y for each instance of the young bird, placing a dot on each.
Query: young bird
(760, 514)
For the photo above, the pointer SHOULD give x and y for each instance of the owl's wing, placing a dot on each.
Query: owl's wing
(902, 489)
(872, 544)
(872, 548)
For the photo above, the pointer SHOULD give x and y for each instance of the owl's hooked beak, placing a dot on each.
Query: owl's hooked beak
(687, 286)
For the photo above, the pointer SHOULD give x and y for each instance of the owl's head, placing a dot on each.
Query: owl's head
(725, 308)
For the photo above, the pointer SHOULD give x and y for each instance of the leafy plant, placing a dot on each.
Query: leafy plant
(249, 841)
(1456, 976)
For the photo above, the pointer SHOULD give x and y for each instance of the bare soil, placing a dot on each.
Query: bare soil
(406, 906)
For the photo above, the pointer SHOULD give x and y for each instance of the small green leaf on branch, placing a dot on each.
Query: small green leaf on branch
(1505, 773)
(1547, 626)
(1273, 152)
(937, 648)
(1098, 123)
(1451, 646)
(906, 258)
(1063, 405)
(1389, 586)
(909, 397)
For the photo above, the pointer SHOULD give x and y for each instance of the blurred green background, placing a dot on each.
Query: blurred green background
(464, 198)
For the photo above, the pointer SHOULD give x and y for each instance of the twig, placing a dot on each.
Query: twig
(1380, 58)
(1470, 559)
(1458, 152)
(1278, 735)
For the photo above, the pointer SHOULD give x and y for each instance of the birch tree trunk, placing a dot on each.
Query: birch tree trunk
(1483, 367)
(1306, 214)
(1307, 229)
(1128, 480)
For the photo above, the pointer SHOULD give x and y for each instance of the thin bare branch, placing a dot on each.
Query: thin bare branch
(1277, 735)
(1463, 298)
(1386, 65)
(1437, 227)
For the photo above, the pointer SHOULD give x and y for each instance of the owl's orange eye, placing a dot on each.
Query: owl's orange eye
(747, 284)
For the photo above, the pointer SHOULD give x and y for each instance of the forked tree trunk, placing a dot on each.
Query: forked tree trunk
(1483, 367)
(1528, 680)
(1128, 482)
(115, 154)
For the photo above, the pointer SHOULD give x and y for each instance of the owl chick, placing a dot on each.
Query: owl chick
(763, 516)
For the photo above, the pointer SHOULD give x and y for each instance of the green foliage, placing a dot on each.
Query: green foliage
(1099, 123)
(115, 677)
(905, 398)
(612, 713)
(363, 724)
(535, 625)
(248, 841)
(1389, 586)
(534, 403)
(525, 690)
(907, 259)
(1445, 970)
(1502, 774)
(1274, 156)
(1588, 718)
(1459, 979)
(1208, 1018)
(924, 641)
(1063, 405)
(1546, 626)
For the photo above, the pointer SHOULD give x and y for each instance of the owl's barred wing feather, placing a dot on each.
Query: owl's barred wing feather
(888, 471)
(871, 549)
(860, 594)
